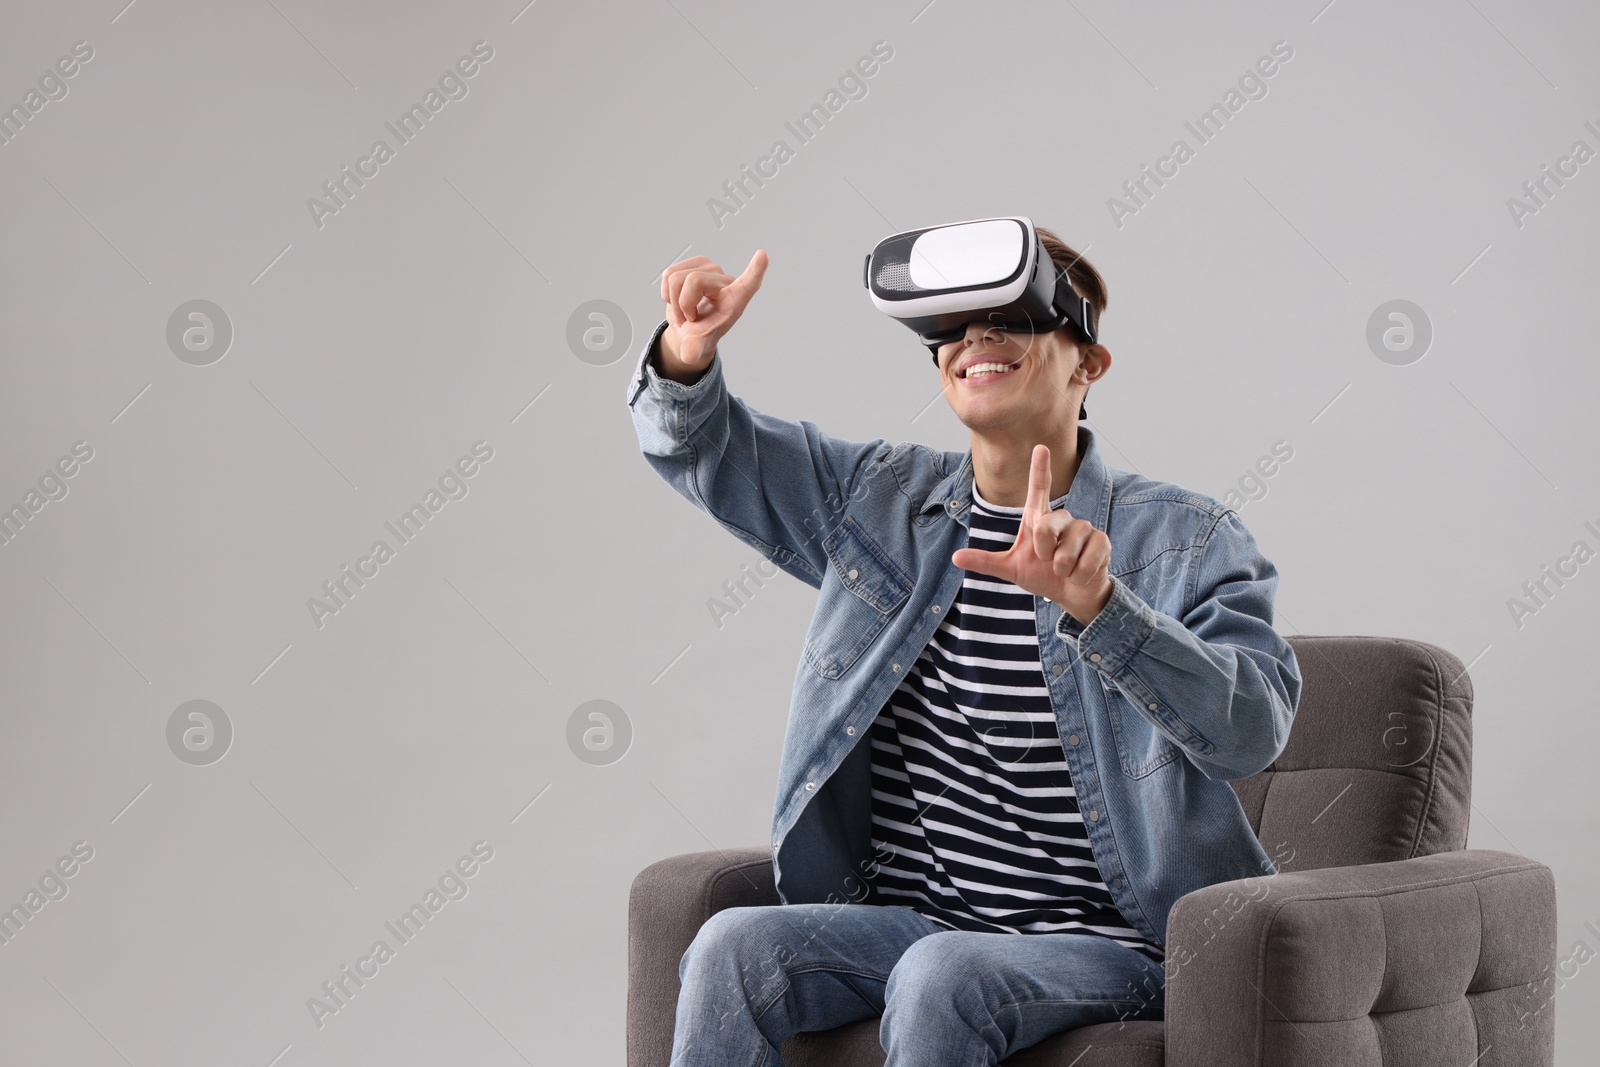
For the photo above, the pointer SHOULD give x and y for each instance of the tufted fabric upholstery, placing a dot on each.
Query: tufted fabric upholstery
(1378, 944)
(1433, 960)
(1378, 765)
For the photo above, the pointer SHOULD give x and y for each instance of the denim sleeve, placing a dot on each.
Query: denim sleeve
(1221, 683)
(778, 486)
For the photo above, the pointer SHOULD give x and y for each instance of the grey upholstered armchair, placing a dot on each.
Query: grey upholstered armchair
(1381, 941)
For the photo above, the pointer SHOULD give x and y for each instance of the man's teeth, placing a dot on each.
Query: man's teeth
(979, 369)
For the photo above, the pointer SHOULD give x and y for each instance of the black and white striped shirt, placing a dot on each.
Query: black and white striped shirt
(970, 787)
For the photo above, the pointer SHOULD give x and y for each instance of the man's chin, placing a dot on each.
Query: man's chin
(985, 417)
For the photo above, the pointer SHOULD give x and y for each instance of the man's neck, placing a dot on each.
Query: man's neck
(1000, 467)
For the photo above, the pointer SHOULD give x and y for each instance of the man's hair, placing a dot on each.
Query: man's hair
(1085, 279)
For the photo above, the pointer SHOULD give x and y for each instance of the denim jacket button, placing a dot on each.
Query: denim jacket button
(1116, 883)
(896, 668)
(1072, 739)
(853, 573)
(1056, 670)
(851, 730)
(1094, 816)
(936, 609)
(1154, 706)
(1094, 657)
(811, 785)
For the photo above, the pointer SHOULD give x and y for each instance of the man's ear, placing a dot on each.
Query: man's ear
(1095, 361)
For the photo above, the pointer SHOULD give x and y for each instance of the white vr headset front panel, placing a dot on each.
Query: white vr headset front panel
(962, 255)
(967, 254)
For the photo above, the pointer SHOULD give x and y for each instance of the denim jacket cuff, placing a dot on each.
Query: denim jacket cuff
(699, 396)
(1112, 637)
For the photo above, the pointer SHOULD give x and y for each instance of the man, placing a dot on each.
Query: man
(1055, 667)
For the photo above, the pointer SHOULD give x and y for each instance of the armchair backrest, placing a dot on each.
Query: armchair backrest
(1378, 765)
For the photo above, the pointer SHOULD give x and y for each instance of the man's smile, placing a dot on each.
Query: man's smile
(988, 370)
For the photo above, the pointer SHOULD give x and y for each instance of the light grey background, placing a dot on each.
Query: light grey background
(431, 312)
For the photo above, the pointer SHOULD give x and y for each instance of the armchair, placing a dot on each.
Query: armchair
(1381, 940)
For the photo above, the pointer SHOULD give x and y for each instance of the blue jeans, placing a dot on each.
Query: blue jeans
(948, 998)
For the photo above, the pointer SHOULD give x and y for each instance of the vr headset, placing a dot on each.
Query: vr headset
(939, 279)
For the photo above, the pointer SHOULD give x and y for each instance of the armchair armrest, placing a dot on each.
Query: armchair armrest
(1400, 962)
(668, 903)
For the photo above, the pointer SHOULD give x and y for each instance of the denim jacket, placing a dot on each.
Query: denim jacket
(1179, 684)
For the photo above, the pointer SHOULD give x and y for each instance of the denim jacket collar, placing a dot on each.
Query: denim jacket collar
(1089, 496)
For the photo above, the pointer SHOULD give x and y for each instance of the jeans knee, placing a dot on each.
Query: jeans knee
(926, 978)
(734, 945)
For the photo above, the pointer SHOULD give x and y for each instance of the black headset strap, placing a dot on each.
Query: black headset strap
(1075, 307)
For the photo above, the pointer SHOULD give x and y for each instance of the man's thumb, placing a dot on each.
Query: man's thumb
(750, 280)
(982, 561)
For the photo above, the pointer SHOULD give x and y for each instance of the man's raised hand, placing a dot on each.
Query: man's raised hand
(702, 304)
(1055, 556)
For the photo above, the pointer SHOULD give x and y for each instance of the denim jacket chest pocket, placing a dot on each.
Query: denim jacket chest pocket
(1141, 748)
(862, 591)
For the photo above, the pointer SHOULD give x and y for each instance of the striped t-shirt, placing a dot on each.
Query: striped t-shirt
(970, 787)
